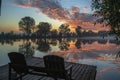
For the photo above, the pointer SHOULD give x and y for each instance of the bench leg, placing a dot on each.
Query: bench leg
(9, 72)
(21, 76)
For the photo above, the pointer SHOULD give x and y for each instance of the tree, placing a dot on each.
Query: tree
(44, 28)
(78, 30)
(54, 33)
(26, 24)
(109, 12)
(64, 29)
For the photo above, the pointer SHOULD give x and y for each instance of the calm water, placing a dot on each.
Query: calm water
(103, 53)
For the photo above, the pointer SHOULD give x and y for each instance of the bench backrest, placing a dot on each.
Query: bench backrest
(55, 65)
(18, 62)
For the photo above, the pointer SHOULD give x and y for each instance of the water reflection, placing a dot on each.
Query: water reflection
(114, 42)
(84, 47)
(53, 42)
(64, 44)
(4, 42)
(43, 45)
(76, 48)
(26, 48)
(102, 41)
(78, 44)
(88, 41)
(103, 53)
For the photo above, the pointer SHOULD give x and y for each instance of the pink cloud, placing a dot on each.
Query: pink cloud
(85, 8)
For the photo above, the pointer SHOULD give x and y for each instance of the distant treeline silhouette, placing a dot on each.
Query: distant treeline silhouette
(45, 30)
(52, 34)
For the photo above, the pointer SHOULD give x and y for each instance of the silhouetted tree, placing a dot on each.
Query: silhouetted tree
(84, 33)
(2, 35)
(103, 33)
(54, 33)
(64, 29)
(44, 28)
(78, 30)
(109, 13)
(26, 24)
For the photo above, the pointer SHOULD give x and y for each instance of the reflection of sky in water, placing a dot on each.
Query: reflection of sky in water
(106, 70)
(101, 54)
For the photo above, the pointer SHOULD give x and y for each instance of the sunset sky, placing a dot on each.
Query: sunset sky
(56, 12)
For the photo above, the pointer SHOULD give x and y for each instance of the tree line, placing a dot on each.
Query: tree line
(44, 30)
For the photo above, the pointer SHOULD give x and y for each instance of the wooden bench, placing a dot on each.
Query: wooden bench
(79, 71)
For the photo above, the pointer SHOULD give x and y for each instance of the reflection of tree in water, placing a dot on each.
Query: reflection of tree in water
(114, 42)
(102, 41)
(26, 48)
(78, 44)
(86, 41)
(53, 42)
(64, 44)
(8, 41)
(43, 45)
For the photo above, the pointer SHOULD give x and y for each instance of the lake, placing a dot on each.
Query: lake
(103, 53)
